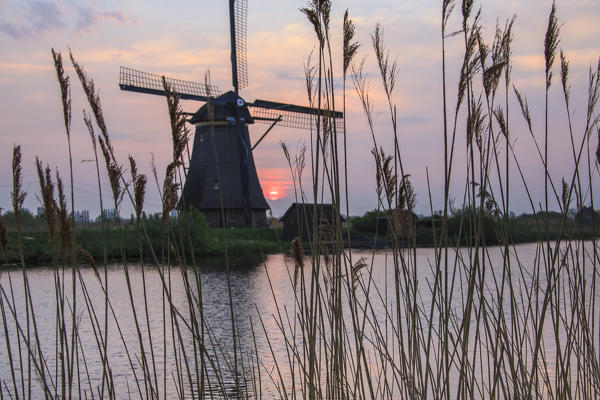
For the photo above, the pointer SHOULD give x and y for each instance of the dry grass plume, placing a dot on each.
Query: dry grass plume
(350, 45)
(47, 191)
(551, 43)
(139, 188)
(179, 131)
(18, 195)
(3, 236)
(169, 192)
(64, 220)
(65, 90)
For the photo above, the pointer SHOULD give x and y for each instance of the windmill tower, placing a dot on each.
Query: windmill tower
(221, 179)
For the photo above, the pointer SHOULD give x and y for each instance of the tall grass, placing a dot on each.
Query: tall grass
(458, 325)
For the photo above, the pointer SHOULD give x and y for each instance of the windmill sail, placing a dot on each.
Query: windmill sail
(293, 116)
(239, 51)
(144, 82)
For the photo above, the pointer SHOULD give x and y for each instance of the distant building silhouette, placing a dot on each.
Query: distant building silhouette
(587, 216)
(109, 214)
(298, 221)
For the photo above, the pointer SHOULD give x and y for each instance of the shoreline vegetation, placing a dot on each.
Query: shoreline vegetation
(369, 231)
(514, 329)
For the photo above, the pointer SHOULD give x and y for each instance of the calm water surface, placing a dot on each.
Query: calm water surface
(255, 294)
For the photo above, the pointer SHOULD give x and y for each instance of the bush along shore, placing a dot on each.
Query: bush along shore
(373, 228)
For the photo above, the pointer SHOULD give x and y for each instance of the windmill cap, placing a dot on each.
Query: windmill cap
(223, 109)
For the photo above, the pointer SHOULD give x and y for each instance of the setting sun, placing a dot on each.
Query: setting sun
(273, 195)
(275, 183)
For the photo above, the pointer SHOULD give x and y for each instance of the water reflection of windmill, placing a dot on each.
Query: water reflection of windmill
(222, 165)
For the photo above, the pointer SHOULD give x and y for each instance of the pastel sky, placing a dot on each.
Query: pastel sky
(185, 39)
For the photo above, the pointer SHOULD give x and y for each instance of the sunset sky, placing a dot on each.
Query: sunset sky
(185, 39)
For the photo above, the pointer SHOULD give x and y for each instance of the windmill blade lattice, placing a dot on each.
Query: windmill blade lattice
(240, 18)
(144, 82)
(293, 116)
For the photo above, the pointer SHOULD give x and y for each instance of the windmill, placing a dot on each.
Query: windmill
(221, 177)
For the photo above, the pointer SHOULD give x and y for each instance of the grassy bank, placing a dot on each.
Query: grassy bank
(39, 248)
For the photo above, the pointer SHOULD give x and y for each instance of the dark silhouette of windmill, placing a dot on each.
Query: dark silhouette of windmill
(221, 178)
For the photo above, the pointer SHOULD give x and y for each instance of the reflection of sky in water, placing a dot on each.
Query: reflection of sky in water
(253, 301)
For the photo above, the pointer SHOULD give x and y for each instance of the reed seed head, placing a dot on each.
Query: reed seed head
(47, 190)
(507, 48)
(378, 172)
(139, 188)
(471, 63)
(499, 115)
(492, 207)
(564, 76)
(387, 68)
(169, 192)
(350, 46)
(179, 131)
(286, 152)
(63, 215)
(88, 257)
(403, 213)
(312, 14)
(447, 7)
(300, 160)
(65, 90)
(565, 195)
(93, 99)
(3, 236)
(18, 195)
(492, 74)
(593, 95)
(385, 177)
(467, 8)
(551, 43)
(524, 108)
(90, 260)
(408, 194)
(133, 168)
(113, 170)
(325, 11)
(310, 73)
(357, 269)
(361, 85)
(476, 125)
(491, 77)
(598, 149)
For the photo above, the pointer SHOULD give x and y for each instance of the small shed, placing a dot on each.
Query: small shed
(587, 216)
(298, 221)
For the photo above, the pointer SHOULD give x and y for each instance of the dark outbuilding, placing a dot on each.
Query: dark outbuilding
(298, 221)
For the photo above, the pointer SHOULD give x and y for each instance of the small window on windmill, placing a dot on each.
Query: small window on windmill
(216, 185)
(200, 134)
